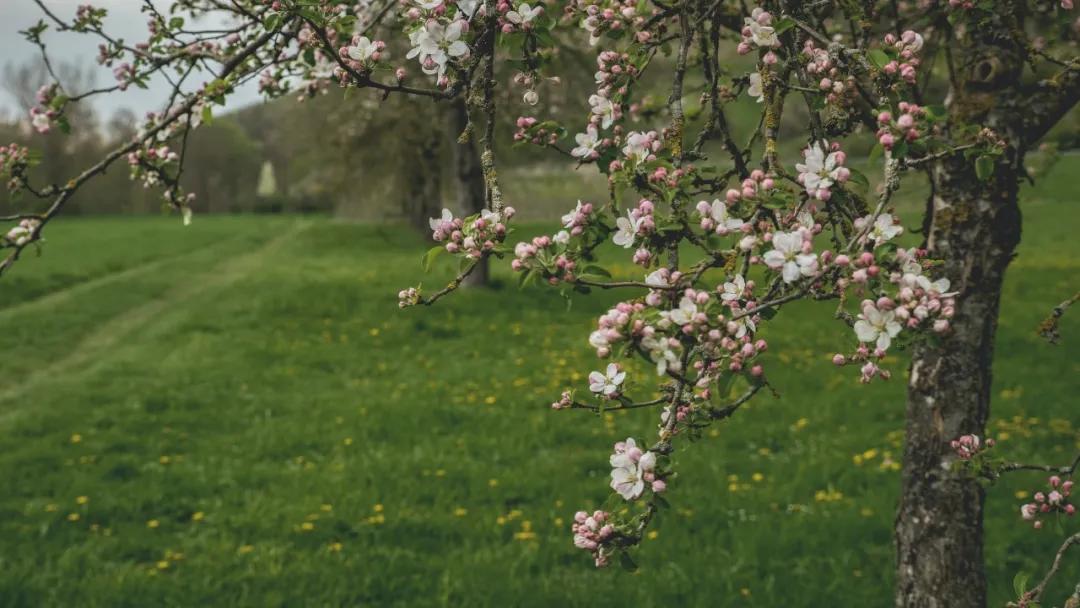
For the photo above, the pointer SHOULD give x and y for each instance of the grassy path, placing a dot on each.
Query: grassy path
(111, 333)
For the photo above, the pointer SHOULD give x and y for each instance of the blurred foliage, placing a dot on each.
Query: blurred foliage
(362, 156)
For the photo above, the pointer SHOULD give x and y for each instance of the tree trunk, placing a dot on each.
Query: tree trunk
(421, 180)
(939, 531)
(973, 227)
(468, 178)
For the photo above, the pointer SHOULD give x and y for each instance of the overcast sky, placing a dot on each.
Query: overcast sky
(124, 21)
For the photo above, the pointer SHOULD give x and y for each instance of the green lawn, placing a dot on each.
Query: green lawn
(237, 414)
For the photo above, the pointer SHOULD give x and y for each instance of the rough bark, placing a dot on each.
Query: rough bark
(468, 178)
(974, 227)
(939, 530)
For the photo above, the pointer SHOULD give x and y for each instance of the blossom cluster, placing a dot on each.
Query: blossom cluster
(436, 43)
(969, 446)
(919, 302)
(578, 218)
(362, 53)
(908, 46)
(408, 297)
(905, 126)
(535, 132)
(715, 216)
(14, 161)
(22, 233)
(87, 16)
(820, 65)
(593, 533)
(640, 147)
(601, 16)
(470, 236)
(1054, 501)
(48, 108)
(147, 163)
(611, 66)
(551, 256)
(758, 32)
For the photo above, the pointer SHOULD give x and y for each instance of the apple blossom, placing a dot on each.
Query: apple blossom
(607, 383)
(788, 257)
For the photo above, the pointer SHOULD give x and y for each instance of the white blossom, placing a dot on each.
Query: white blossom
(884, 228)
(755, 89)
(683, 314)
(657, 278)
(435, 44)
(524, 14)
(786, 255)
(876, 326)
(602, 107)
(362, 50)
(719, 213)
(436, 222)
(762, 35)
(820, 170)
(627, 229)
(662, 353)
(587, 143)
(638, 146)
(568, 219)
(468, 7)
(607, 383)
(734, 289)
(630, 465)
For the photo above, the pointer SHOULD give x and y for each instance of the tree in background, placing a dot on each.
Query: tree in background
(726, 231)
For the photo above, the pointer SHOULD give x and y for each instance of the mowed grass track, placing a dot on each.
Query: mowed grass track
(237, 414)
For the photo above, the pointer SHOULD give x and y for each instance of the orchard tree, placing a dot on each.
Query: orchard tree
(958, 91)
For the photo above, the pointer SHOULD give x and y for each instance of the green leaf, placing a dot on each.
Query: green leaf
(597, 270)
(207, 115)
(784, 25)
(984, 167)
(875, 153)
(272, 22)
(878, 57)
(430, 256)
(627, 562)
(900, 150)
(937, 111)
(1020, 583)
(312, 16)
(529, 277)
(859, 182)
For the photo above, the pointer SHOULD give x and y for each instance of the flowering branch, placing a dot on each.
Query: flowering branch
(1065, 470)
(1034, 596)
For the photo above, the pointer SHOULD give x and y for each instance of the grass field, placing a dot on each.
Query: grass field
(237, 414)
